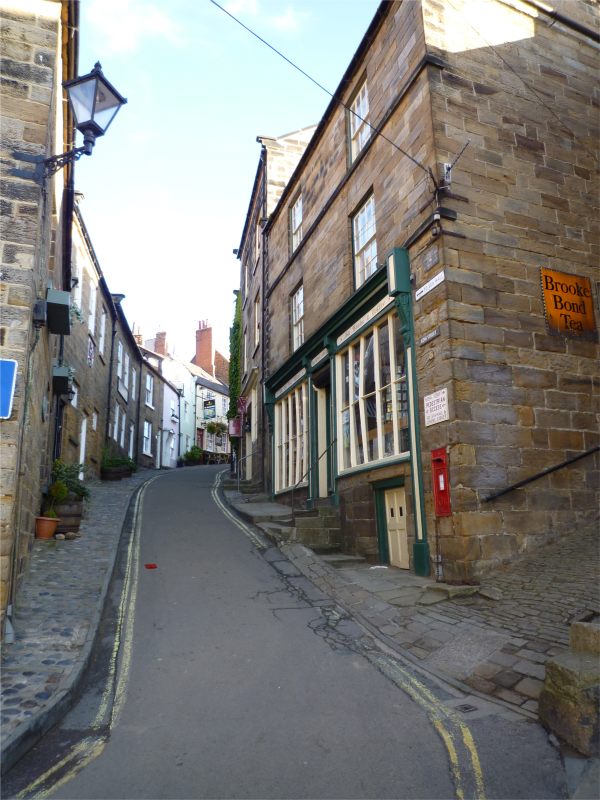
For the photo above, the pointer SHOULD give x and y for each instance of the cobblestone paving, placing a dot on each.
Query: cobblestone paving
(58, 606)
(496, 647)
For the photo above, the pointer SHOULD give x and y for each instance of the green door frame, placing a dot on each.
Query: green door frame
(379, 489)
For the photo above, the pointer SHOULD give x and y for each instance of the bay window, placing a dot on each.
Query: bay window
(291, 439)
(372, 397)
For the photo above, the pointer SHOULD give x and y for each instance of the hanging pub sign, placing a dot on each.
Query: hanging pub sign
(568, 303)
(210, 409)
(235, 426)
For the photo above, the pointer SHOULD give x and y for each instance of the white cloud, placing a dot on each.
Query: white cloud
(287, 20)
(290, 20)
(123, 24)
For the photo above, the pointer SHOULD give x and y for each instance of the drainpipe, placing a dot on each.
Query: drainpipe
(266, 481)
(401, 289)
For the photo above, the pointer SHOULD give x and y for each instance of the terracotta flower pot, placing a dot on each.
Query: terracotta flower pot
(45, 527)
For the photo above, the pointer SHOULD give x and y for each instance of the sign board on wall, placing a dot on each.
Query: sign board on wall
(210, 409)
(8, 380)
(436, 407)
(568, 303)
(235, 427)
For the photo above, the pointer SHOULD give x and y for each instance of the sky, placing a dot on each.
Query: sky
(166, 190)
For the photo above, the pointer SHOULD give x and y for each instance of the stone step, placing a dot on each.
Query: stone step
(277, 532)
(340, 560)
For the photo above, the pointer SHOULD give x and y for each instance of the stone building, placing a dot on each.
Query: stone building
(278, 159)
(80, 413)
(431, 363)
(212, 404)
(39, 44)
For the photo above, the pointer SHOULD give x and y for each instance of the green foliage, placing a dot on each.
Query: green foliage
(216, 427)
(193, 454)
(111, 458)
(57, 492)
(50, 513)
(235, 351)
(69, 475)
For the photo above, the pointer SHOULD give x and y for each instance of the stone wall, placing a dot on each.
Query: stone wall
(82, 352)
(521, 89)
(31, 77)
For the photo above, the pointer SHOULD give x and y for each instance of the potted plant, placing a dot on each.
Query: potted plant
(114, 467)
(47, 522)
(70, 510)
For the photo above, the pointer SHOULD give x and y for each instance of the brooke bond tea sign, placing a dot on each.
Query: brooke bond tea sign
(568, 303)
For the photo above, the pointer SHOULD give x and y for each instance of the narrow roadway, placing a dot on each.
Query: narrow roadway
(232, 676)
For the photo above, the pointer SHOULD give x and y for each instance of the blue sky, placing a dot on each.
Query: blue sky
(167, 189)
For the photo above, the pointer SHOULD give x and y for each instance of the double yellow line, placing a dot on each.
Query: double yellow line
(455, 734)
(117, 679)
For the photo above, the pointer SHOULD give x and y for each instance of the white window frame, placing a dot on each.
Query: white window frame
(360, 129)
(119, 359)
(131, 439)
(133, 383)
(149, 397)
(256, 321)
(92, 309)
(147, 441)
(364, 241)
(389, 401)
(296, 223)
(94, 420)
(122, 437)
(116, 423)
(291, 439)
(126, 371)
(257, 244)
(298, 317)
(102, 332)
(75, 397)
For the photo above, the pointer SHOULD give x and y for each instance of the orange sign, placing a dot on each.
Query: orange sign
(568, 303)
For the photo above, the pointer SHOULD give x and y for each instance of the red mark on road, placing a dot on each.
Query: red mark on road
(151, 566)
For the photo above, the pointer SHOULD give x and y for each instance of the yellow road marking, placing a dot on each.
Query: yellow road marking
(437, 711)
(90, 748)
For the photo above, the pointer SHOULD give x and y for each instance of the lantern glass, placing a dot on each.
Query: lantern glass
(94, 101)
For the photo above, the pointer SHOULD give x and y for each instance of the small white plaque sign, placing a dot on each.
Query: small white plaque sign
(427, 287)
(436, 407)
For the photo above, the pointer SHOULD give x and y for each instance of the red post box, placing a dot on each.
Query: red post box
(441, 484)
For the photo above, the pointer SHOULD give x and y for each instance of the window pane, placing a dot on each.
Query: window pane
(346, 439)
(369, 365)
(384, 355)
(360, 454)
(345, 379)
(371, 414)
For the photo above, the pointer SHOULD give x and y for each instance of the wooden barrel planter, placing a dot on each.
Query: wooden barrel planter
(70, 513)
(114, 473)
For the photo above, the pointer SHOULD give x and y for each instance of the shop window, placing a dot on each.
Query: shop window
(373, 397)
(291, 439)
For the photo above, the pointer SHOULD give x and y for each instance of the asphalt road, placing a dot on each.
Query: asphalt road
(223, 673)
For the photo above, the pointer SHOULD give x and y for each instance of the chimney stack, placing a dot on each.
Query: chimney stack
(160, 343)
(204, 348)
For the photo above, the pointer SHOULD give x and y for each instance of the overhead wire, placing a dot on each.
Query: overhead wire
(377, 132)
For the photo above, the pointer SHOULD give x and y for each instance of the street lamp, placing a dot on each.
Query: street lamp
(95, 103)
